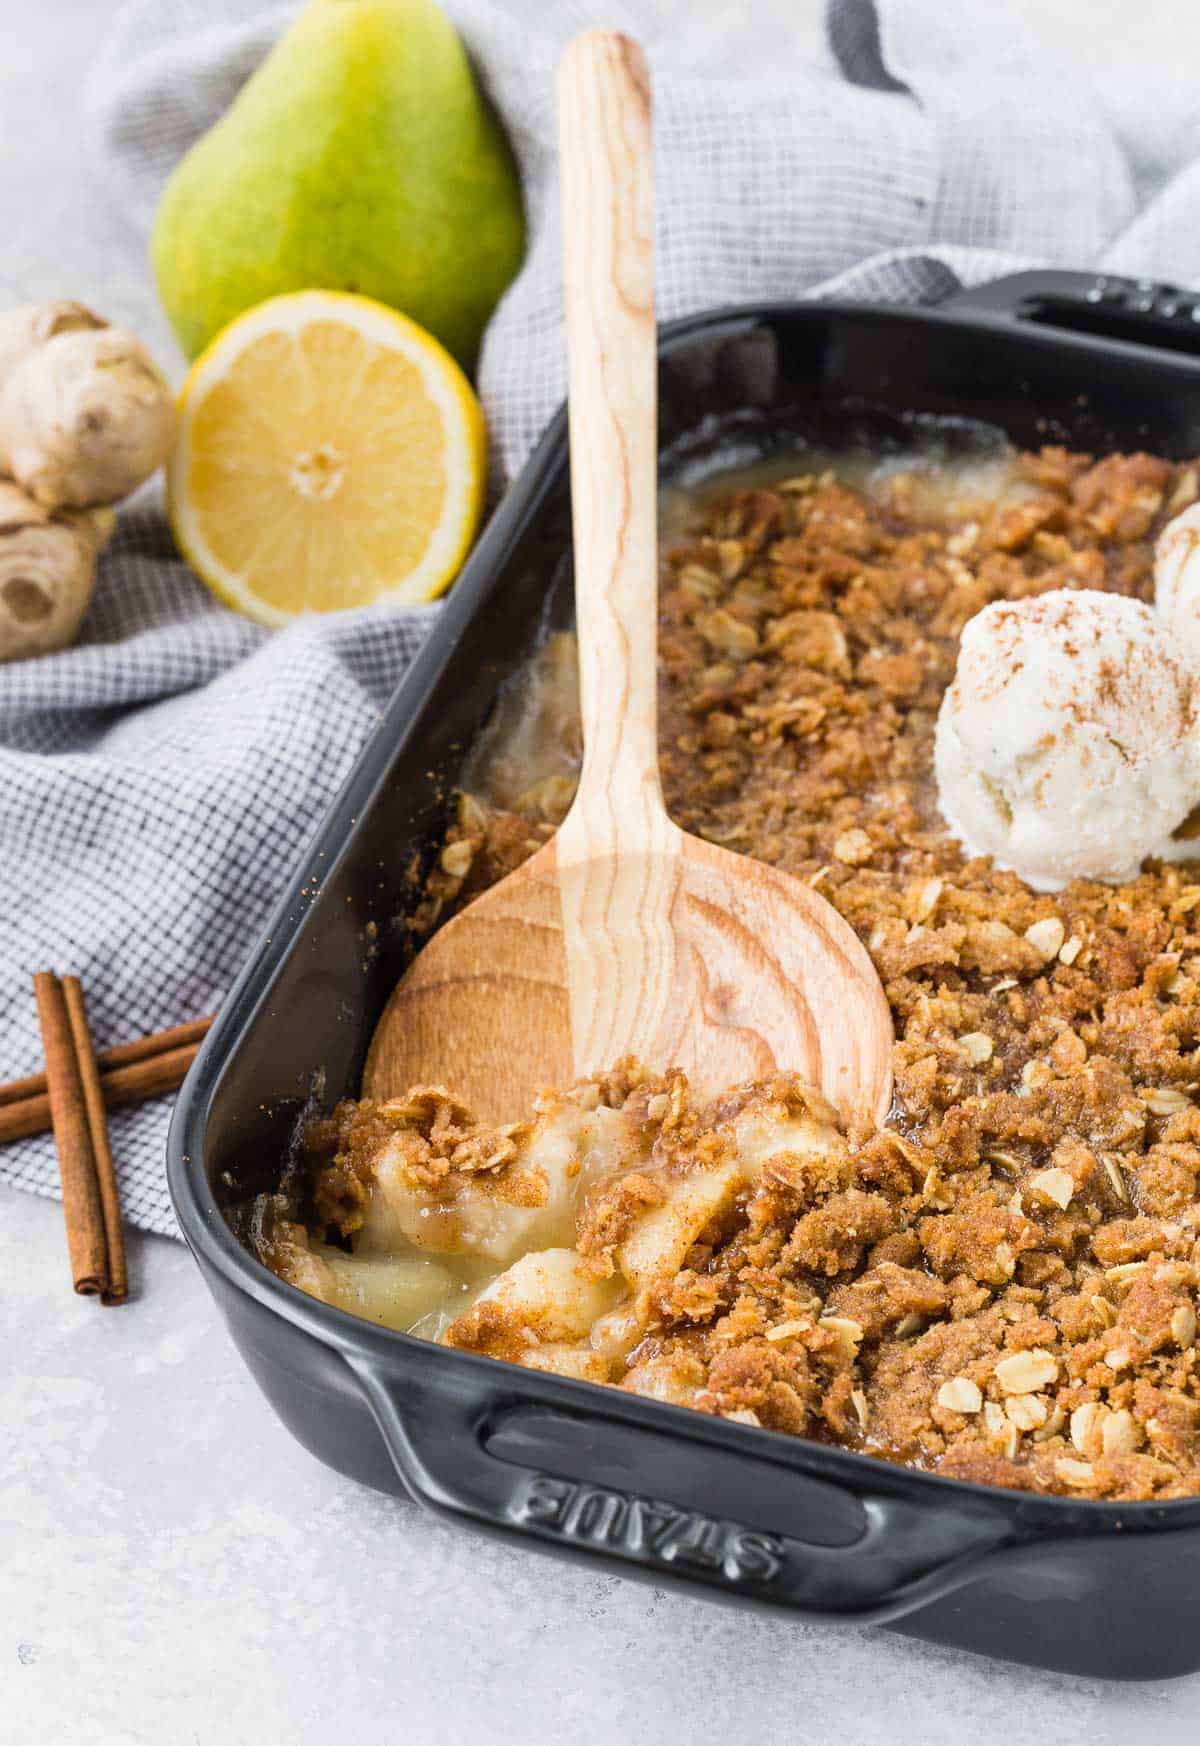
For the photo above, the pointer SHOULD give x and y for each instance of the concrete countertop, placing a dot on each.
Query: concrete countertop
(176, 1571)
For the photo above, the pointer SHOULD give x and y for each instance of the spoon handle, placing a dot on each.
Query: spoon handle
(608, 223)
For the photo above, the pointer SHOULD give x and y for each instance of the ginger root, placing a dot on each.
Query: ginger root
(47, 566)
(85, 417)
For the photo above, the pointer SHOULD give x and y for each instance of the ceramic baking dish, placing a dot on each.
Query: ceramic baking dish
(593, 1473)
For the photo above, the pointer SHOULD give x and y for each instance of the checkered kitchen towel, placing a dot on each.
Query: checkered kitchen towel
(158, 781)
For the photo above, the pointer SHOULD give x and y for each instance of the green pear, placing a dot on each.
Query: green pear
(361, 156)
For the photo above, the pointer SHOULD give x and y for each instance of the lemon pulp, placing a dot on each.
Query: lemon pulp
(331, 455)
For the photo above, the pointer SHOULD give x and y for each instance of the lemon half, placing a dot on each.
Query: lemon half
(331, 454)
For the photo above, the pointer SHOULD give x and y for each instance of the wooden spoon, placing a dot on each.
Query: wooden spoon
(623, 935)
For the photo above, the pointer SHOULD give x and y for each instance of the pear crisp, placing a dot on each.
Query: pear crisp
(1000, 1285)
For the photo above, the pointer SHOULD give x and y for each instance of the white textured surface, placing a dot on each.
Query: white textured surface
(175, 1571)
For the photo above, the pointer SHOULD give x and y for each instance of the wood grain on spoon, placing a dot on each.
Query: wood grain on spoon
(624, 936)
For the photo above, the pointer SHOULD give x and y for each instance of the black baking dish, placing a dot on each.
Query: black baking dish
(678, 1497)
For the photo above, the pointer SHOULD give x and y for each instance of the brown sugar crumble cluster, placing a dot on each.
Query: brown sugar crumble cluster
(1001, 1284)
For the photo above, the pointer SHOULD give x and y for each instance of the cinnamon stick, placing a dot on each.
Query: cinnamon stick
(120, 1055)
(82, 1210)
(116, 1287)
(155, 1076)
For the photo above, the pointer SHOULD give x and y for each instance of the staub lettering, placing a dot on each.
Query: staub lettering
(641, 1527)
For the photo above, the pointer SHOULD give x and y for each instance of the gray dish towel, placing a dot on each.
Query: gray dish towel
(158, 781)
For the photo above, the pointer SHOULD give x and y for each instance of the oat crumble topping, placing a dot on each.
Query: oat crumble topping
(1001, 1285)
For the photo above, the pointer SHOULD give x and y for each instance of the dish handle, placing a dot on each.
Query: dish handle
(678, 1502)
(1144, 312)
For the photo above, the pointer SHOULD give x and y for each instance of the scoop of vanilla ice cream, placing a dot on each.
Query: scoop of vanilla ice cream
(1177, 578)
(1068, 745)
